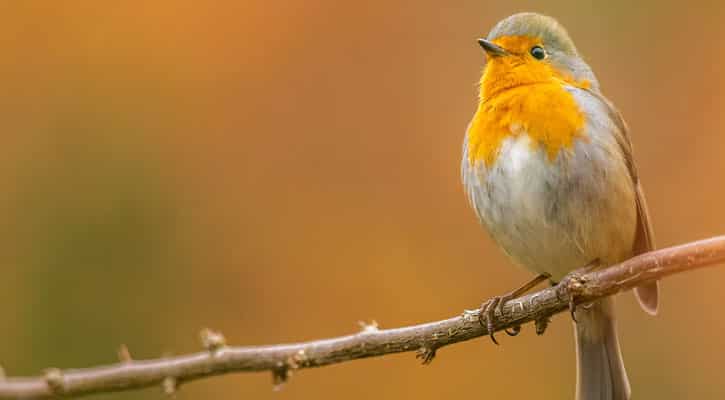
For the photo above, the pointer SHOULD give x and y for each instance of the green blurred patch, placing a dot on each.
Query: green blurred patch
(94, 223)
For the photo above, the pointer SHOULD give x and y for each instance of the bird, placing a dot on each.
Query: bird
(548, 168)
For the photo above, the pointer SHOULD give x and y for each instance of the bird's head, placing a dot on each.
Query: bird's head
(530, 48)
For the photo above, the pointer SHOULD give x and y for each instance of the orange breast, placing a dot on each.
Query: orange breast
(546, 112)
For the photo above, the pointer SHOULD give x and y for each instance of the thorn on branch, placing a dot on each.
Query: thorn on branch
(426, 354)
(124, 355)
(2, 374)
(369, 328)
(54, 379)
(541, 325)
(284, 370)
(280, 376)
(296, 361)
(212, 341)
(169, 386)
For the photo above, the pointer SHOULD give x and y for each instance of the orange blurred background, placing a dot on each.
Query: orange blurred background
(279, 170)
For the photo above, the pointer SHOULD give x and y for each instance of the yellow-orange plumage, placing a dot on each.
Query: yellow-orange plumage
(508, 106)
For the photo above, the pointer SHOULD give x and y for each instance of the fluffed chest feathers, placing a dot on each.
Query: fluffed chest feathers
(552, 214)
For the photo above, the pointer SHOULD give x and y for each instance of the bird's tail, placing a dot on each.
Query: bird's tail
(600, 369)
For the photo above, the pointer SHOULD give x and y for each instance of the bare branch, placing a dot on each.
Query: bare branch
(371, 341)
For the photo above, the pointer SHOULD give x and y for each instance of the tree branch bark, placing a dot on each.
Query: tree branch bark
(282, 359)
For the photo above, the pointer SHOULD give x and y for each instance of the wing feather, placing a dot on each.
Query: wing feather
(647, 295)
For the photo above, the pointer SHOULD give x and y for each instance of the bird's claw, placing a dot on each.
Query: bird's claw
(569, 288)
(572, 308)
(488, 311)
(485, 317)
(426, 355)
(514, 331)
(564, 292)
(496, 304)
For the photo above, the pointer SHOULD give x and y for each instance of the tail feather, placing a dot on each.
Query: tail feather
(600, 369)
(648, 297)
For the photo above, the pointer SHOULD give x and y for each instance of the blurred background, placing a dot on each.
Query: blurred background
(279, 170)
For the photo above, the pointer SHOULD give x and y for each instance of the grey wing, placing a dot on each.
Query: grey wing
(647, 295)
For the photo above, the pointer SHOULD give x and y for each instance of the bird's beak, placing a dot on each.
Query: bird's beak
(493, 50)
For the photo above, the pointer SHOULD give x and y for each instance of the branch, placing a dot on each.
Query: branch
(370, 342)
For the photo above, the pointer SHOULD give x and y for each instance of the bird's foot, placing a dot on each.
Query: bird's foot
(489, 308)
(571, 286)
(495, 305)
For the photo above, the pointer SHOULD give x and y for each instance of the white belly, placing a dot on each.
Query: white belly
(553, 216)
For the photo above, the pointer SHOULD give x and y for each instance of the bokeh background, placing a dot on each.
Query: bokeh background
(280, 170)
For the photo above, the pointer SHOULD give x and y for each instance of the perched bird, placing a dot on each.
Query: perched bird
(548, 168)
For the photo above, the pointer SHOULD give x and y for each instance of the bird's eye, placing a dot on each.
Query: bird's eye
(538, 52)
